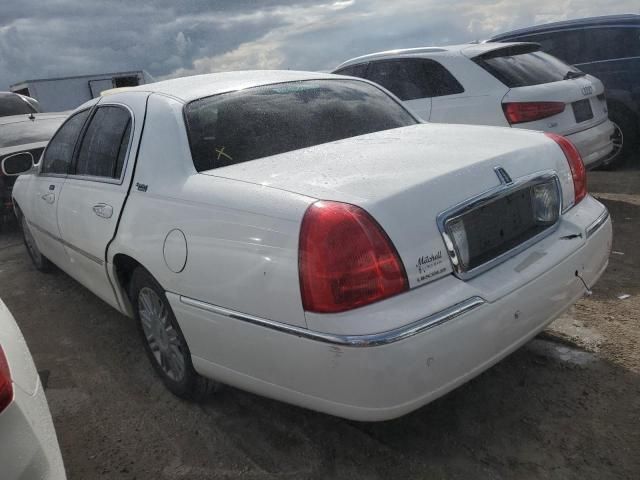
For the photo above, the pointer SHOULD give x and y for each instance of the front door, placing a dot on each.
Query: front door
(46, 187)
(94, 195)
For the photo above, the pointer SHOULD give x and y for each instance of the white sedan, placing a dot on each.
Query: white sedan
(304, 237)
(501, 84)
(28, 444)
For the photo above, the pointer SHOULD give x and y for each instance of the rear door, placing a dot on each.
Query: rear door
(96, 189)
(46, 187)
(545, 93)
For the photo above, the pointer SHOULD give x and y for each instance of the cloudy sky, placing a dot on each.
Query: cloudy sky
(168, 38)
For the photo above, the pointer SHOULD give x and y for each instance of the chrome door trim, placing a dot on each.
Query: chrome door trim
(66, 244)
(369, 340)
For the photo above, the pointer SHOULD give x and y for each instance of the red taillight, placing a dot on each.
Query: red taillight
(6, 387)
(578, 172)
(520, 112)
(346, 260)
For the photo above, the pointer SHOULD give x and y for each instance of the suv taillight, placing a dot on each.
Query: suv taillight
(6, 386)
(346, 260)
(521, 112)
(578, 172)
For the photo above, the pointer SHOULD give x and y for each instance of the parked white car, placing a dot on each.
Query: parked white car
(304, 237)
(28, 444)
(501, 84)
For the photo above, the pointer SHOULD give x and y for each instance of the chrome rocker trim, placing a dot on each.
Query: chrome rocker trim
(591, 229)
(370, 340)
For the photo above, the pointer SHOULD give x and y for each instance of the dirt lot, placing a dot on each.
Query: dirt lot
(565, 406)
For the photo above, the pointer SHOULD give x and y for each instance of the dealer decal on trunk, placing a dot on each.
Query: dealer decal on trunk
(429, 266)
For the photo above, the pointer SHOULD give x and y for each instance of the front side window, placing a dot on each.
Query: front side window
(259, 122)
(59, 153)
(359, 70)
(104, 146)
(525, 69)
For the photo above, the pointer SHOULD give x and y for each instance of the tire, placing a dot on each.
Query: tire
(42, 263)
(628, 133)
(163, 341)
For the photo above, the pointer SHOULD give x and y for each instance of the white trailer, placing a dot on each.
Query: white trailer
(66, 93)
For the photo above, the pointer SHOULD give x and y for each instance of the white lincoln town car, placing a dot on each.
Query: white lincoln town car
(303, 236)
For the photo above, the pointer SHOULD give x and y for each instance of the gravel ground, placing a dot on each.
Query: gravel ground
(567, 405)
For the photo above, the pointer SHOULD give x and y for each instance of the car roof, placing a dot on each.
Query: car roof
(191, 88)
(608, 20)
(469, 50)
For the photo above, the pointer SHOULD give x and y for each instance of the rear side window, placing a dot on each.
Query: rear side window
(414, 78)
(104, 146)
(59, 152)
(525, 69)
(11, 104)
(567, 45)
(258, 122)
(359, 70)
(611, 43)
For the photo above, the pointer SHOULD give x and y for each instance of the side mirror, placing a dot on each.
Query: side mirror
(17, 164)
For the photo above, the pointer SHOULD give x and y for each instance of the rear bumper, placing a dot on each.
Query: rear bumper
(384, 380)
(594, 144)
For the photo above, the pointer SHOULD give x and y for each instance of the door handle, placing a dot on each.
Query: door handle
(103, 210)
(49, 197)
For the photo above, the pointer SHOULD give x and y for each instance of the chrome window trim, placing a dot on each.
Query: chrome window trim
(99, 179)
(369, 340)
(593, 228)
(487, 197)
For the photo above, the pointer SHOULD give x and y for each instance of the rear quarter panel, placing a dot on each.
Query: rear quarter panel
(242, 239)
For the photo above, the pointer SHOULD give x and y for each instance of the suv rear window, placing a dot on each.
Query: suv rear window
(517, 69)
(258, 122)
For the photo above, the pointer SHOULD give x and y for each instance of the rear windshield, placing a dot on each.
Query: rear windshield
(262, 121)
(11, 104)
(526, 69)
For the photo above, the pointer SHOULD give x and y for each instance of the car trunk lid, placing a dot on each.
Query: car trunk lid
(405, 177)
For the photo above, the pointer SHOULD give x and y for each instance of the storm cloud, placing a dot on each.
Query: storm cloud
(74, 37)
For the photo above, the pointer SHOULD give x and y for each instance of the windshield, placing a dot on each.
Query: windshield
(259, 122)
(11, 104)
(526, 69)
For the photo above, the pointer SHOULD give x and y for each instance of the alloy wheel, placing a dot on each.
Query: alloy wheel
(162, 337)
